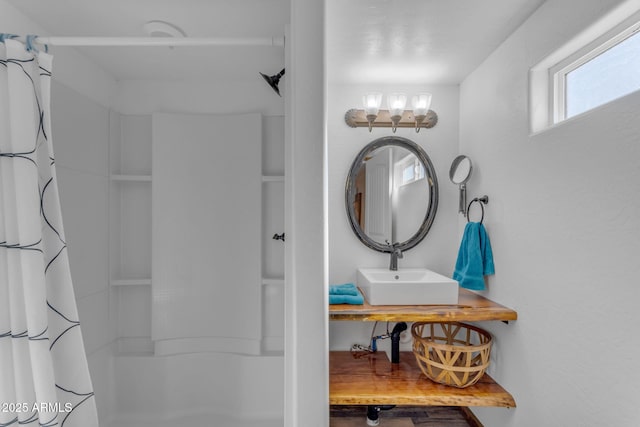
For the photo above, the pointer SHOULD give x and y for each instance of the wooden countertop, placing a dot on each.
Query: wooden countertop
(371, 379)
(471, 307)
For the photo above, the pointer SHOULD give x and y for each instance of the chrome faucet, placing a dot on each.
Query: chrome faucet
(395, 253)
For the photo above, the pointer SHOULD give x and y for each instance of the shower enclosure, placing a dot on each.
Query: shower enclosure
(100, 96)
(195, 280)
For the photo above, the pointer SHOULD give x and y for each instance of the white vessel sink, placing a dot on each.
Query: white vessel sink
(407, 286)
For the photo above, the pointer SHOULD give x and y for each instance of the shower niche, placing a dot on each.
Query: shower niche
(132, 240)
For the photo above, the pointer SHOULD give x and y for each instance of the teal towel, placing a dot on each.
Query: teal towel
(475, 258)
(345, 294)
(346, 289)
(346, 299)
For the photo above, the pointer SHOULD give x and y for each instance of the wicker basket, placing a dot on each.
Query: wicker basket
(451, 353)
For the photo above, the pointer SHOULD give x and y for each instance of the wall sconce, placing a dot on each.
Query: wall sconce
(396, 116)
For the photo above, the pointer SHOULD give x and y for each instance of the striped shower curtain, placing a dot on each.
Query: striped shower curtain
(44, 377)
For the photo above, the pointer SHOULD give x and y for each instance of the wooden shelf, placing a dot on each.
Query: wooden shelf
(371, 379)
(471, 307)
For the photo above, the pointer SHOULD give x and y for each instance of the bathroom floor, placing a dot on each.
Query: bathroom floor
(405, 416)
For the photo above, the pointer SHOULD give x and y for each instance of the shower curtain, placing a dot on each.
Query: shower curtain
(44, 377)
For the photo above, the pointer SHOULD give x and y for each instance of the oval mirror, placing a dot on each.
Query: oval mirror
(391, 194)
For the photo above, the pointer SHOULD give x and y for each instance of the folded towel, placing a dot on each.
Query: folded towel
(346, 299)
(345, 294)
(345, 289)
(475, 258)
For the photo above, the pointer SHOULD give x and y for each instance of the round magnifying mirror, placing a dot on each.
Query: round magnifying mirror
(460, 171)
(391, 194)
(459, 174)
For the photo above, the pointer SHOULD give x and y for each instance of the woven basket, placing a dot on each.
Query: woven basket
(451, 353)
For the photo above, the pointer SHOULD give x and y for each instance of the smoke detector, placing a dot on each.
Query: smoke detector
(163, 29)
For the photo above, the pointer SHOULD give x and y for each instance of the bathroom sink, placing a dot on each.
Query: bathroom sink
(407, 286)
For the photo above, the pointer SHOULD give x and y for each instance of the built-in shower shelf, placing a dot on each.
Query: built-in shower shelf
(130, 282)
(272, 178)
(131, 178)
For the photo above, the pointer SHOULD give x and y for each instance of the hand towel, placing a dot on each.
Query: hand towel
(348, 294)
(475, 258)
(346, 299)
(345, 289)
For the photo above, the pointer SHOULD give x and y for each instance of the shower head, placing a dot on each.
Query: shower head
(273, 80)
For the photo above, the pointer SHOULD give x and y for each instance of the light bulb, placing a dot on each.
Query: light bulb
(421, 104)
(371, 102)
(396, 103)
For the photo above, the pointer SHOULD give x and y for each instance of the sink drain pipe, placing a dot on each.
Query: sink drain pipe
(373, 411)
(395, 341)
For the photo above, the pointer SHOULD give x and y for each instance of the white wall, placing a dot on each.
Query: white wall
(69, 67)
(186, 96)
(565, 231)
(80, 141)
(306, 296)
(346, 252)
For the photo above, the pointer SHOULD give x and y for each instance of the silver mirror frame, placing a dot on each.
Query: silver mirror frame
(432, 181)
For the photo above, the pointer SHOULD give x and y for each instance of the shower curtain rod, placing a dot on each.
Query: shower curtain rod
(160, 41)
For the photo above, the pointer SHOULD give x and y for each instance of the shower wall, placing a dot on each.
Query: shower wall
(131, 202)
(207, 212)
(129, 380)
(80, 140)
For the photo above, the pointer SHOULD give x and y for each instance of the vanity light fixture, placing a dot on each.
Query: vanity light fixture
(396, 116)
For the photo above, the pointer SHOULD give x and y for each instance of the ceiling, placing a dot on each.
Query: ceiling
(368, 41)
(417, 41)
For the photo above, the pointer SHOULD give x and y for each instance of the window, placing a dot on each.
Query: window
(411, 168)
(596, 75)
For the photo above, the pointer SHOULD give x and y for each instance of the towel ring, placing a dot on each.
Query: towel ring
(482, 201)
